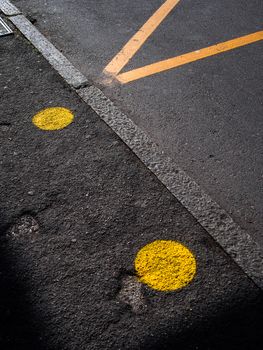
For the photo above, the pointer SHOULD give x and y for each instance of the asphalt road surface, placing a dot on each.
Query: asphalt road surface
(76, 207)
(207, 114)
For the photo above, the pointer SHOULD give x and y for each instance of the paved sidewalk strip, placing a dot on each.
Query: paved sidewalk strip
(82, 221)
(236, 242)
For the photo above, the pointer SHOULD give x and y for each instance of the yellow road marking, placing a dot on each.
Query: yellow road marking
(53, 118)
(134, 44)
(165, 265)
(177, 61)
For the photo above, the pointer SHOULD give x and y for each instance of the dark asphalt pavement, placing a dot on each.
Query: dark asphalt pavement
(206, 115)
(76, 206)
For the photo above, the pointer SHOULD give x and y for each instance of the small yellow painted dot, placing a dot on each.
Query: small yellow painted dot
(53, 118)
(165, 265)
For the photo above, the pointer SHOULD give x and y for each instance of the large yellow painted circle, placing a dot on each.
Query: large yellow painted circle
(165, 265)
(53, 118)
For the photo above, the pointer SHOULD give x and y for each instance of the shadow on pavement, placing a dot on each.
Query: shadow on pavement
(239, 328)
(19, 328)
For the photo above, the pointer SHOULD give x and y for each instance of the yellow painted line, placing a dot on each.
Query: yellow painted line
(135, 43)
(177, 61)
(165, 265)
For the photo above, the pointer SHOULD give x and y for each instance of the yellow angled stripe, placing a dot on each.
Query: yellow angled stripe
(135, 43)
(177, 61)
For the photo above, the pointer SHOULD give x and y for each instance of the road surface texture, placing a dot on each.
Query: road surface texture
(76, 207)
(207, 115)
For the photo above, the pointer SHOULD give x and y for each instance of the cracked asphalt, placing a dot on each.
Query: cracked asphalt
(76, 206)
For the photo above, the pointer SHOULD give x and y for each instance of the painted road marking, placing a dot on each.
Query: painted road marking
(165, 265)
(53, 118)
(135, 43)
(177, 61)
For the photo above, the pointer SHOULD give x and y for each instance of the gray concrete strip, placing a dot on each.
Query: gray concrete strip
(72, 76)
(9, 9)
(235, 241)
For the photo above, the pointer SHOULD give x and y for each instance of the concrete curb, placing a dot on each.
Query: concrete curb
(9, 9)
(61, 64)
(234, 240)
